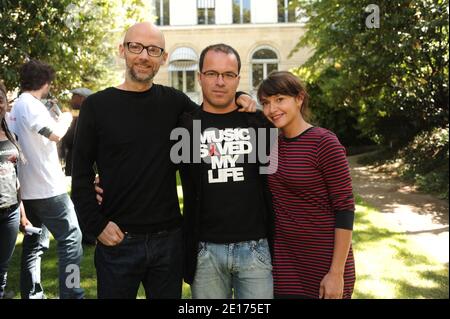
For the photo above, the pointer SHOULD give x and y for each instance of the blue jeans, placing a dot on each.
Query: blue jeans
(58, 215)
(155, 260)
(245, 267)
(9, 227)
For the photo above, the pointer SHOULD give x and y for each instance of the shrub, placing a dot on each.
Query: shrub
(426, 161)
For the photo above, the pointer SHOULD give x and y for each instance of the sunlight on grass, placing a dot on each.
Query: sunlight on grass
(390, 266)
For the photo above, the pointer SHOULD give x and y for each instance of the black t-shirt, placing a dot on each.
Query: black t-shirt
(8, 174)
(233, 206)
(127, 135)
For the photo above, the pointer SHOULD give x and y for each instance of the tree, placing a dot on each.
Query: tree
(77, 37)
(393, 80)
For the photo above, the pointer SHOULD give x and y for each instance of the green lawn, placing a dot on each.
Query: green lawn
(388, 264)
(50, 271)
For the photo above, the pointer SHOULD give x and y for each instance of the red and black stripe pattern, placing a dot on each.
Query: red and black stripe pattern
(311, 187)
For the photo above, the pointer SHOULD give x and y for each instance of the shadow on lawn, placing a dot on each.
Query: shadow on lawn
(367, 234)
(440, 278)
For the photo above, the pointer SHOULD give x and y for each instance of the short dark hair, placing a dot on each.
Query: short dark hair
(220, 47)
(285, 83)
(35, 74)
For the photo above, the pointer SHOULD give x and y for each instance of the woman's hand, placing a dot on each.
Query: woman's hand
(332, 286)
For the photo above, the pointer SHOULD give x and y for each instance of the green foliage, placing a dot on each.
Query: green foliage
(388, 83)
(426, 161)
(325, 113)
(48, 30)
(77, 37)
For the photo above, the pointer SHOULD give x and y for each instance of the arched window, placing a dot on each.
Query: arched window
(264, 61)
(182, 67)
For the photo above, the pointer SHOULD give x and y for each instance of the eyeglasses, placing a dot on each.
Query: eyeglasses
(226, 76)
(137, 48)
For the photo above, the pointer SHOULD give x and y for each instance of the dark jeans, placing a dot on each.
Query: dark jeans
(9, 227)
(58, 215)
(155, 260)
(30, 269)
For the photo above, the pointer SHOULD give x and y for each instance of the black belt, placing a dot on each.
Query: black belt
(8, 210)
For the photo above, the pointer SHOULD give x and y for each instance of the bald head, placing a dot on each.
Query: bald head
(142, 65)
(146, 33)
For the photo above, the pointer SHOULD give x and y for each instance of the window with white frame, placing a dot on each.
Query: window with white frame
(162, 12)
(241, 11)
(286, 11)
(183, 80)
(263, 61)
(182, 69)
(206, 11)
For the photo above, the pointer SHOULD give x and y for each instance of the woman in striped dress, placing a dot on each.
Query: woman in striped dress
(312, 198)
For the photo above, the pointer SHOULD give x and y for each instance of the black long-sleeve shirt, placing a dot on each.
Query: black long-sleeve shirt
(127, 135)
(67, 146)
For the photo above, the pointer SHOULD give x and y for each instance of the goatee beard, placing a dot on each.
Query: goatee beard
(135, 78)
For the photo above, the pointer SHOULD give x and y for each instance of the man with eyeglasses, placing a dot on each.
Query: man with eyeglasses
(227, 207)
(125, 132)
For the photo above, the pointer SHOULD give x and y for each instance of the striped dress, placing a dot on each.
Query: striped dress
(310, 186)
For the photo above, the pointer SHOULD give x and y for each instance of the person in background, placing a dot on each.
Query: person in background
(312, 198)
(78, 97)
(44, 189)
(12, 213)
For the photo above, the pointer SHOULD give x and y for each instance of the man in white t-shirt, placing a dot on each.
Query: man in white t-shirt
(43, 188)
